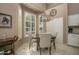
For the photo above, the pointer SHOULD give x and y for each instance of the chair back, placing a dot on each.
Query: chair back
(15, 38)
(30, 36)
(45, 40)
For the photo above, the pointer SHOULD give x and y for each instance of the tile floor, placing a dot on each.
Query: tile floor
(60, 50)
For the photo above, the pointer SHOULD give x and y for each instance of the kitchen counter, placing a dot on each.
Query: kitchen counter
(74, 33)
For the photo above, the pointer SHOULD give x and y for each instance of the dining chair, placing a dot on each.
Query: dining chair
(45, 41)
(53, 39)
(31, 40)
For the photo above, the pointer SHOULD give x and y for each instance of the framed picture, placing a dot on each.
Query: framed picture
(5, 21)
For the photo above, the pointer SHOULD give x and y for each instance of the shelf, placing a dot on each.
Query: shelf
(73, 33)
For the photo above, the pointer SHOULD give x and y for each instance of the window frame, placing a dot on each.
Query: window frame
(42, 24)
(30, 21)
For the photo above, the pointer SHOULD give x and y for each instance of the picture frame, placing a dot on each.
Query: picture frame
(5, 20)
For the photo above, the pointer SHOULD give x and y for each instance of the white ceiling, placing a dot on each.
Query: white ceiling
(36, 6)
(40, 7)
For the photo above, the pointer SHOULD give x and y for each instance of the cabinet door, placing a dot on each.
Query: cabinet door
(73, 40)
(73, 20)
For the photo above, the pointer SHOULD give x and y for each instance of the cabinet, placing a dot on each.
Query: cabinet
(73, 40)
(73, 20)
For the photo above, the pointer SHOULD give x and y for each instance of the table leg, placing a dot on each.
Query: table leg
(54, 45)
(40, 51)
(12, 49)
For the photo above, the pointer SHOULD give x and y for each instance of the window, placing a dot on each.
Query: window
(29, 23)
(42, 25)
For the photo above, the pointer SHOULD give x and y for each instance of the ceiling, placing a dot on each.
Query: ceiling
(50, 5)
(40, 7)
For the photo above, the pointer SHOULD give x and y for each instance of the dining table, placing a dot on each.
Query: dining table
(38, 41)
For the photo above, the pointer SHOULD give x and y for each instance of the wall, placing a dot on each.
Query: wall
(73, 8)
(60, 10)
(51, 5)
(15, 11)
(10, 9)
(56, 26)
(20, 21)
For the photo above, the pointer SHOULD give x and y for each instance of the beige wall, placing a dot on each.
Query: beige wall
(73, 8)
(20, 21)
(51, 5)
(60, 10)
(10, 9)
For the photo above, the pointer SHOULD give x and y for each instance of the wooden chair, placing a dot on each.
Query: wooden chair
(53, 39)
(31, 40)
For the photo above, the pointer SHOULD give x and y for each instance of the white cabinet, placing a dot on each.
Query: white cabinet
(73, 20)
(73, 40)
